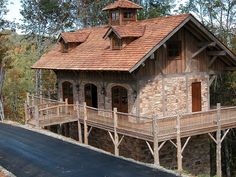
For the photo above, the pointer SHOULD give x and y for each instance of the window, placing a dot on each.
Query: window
(116, 43)
(174, 50)
(128, 15)
(115, 15)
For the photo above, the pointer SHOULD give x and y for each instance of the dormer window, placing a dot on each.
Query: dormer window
(116, 44)
(115, 15)
(128, 15)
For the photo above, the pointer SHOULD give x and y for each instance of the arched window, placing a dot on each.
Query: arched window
(67, 91)
(90, 94)
(120, 99)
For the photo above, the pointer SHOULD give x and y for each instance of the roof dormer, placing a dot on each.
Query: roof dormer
(122, 12)
(70, 40)
(120, 36)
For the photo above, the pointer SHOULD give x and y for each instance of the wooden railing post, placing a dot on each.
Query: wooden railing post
(26, 113)
(85, 124)
(155, 142)
(116, 137)
(66, 108)
(41, 99)
(179, 146)
(36, 114)
(218, 142)
(58, 110)
(79, 125)
(28, 99)
(32, 99)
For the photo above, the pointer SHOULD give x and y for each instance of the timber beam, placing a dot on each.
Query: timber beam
(212, 44)
(216, 53)
(230, 69)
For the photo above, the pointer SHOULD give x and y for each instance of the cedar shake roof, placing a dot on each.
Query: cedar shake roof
(122, 4)
(126, 31)
(95, 52)
(78, 36)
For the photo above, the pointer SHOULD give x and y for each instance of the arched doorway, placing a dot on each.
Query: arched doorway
(90, 94)
(67, 91)
(120, 99)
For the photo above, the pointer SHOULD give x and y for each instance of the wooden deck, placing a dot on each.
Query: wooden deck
(131, 125)
(42, 112)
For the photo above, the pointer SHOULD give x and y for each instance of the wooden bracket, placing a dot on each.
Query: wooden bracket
(91, 128)
(203, 48)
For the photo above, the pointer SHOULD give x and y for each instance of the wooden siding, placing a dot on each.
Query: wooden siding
(190, 45)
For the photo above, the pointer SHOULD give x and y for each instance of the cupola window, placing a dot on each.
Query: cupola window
(128, 15)
(115, 15)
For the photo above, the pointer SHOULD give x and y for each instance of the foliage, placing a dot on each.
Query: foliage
(156, 8)
(3, 11)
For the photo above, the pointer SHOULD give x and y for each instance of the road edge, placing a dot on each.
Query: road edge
(6, 172)
(72, 141)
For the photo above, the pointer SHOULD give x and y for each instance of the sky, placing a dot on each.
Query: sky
(14, 7)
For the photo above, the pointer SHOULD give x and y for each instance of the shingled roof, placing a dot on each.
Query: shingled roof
(78, 36)
(95, 52)
(126, 31)
(122, 4)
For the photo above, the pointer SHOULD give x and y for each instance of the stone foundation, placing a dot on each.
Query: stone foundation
(196, 156)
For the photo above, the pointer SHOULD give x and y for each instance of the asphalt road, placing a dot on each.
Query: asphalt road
(29, 154)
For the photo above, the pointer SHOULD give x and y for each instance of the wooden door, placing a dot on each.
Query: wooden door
(91, 97)
(120, 99)
(196, 97)
(67, 90)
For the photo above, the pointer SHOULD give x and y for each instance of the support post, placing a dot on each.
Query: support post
(32, 99)
(41, 99)
(36, 114)
(179, 146)
(66, 108)
(26, 113)
(28, 99)
(116, 137)
(79, 125)
(85, 124)
(155, 142)
(218, 142)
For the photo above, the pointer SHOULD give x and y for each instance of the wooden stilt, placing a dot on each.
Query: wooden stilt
(36, 114)
(26, 113)
(179, 146)
(218, 142)
(79, 125)
(85, 124)
(28, 99)
(116, 137)
(155, 142)
(32, 99)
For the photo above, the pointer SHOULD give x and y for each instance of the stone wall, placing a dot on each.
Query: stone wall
(165, 95)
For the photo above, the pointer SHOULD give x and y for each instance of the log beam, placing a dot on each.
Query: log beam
(85, 124)
(216, 53)
(203, 48)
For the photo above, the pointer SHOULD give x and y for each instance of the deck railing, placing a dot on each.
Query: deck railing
(48, 112)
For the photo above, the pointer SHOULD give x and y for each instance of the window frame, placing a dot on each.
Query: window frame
(116, 15)
(116, 41)
(174, 50)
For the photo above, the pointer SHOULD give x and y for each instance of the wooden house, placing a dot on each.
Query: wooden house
(155, 66)
(161, 66)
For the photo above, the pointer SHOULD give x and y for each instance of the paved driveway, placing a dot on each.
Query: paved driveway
(29, 154)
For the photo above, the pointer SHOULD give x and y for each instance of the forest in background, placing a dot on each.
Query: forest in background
(44, 20)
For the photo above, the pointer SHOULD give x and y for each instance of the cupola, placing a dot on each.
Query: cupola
(122, 12)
